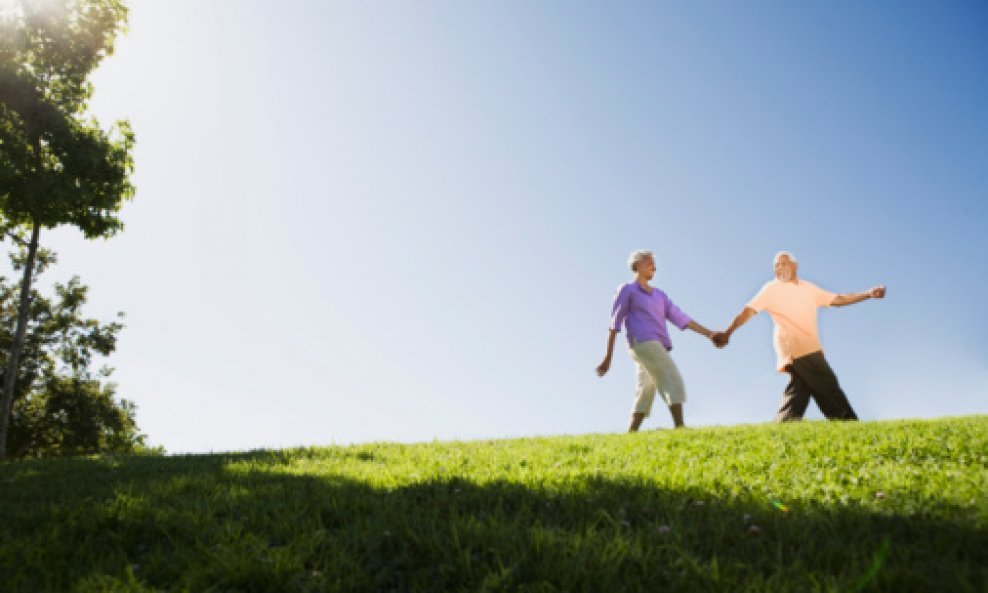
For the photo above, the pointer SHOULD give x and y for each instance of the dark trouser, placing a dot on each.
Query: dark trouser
(811, 376)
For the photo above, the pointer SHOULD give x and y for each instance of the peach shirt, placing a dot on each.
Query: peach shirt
(793, 307)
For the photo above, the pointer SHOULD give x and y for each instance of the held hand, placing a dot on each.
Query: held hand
(603, 367)
(720, 339)
(877, 293)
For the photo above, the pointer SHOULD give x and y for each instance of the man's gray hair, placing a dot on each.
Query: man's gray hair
(636, 258)
(779, 255)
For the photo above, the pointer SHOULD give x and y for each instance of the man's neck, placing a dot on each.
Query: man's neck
(643, 282)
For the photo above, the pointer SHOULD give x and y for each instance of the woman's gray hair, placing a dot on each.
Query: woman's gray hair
(637, 256)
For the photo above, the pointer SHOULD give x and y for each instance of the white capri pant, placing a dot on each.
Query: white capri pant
(656, 372)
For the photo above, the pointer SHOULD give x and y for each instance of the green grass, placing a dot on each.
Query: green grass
(874, 506)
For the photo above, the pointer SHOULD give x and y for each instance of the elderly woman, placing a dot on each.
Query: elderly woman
(643, 310)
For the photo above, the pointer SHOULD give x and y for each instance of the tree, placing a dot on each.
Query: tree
(62, 406)
(57, 166)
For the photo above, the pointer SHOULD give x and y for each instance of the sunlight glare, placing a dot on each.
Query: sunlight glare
(10, 9)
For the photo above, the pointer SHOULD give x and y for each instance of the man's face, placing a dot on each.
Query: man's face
(785, 268)
(646, 268)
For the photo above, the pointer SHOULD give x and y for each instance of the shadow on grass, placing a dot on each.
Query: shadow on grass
(244, 523)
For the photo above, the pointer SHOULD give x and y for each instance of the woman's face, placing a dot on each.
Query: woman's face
(646, 268)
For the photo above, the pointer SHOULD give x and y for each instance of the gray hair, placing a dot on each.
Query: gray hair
(636, 258)
(779, 255)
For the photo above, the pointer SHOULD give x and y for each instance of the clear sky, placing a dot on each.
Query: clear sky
(361, 221)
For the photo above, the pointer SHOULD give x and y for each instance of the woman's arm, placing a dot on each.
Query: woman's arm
(606, 364)
(706, 333)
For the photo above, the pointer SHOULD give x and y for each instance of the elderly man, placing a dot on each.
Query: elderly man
(644, 309)
(793, 305)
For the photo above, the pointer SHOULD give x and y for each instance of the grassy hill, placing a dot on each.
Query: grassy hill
(876, 506)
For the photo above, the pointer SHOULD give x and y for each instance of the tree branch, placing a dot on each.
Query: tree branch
(16, 239)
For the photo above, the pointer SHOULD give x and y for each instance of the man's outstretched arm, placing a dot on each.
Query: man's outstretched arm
(722, 338)
(842, 300)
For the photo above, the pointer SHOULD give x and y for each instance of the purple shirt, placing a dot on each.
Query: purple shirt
(645, 314)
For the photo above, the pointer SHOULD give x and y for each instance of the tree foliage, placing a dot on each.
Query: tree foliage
(63, 403)
(57, 166)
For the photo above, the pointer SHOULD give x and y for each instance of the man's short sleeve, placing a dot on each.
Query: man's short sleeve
(823, 298)
(619, 310)
(760, 301)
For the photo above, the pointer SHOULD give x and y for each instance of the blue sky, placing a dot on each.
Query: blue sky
(406, 221)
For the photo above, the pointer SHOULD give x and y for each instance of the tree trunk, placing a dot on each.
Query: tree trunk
(10, 373)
